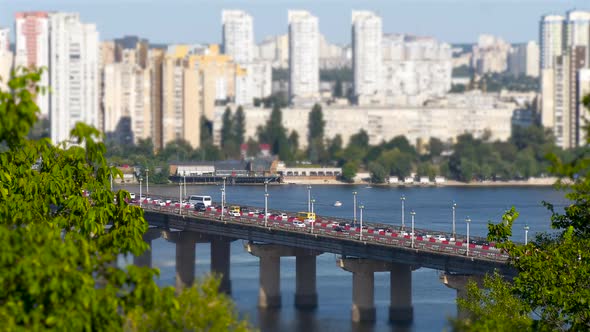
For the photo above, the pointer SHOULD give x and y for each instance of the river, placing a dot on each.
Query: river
(433, 302)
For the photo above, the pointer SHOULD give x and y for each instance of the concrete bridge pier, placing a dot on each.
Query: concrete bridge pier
(145, 259)
(400, 308)
(269, 295)
(185, 255)
(363, 286)
(363, 289)
(220, 262)
(460, 282)
(306, 296)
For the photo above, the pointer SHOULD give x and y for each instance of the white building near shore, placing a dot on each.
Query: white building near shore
(444, 119)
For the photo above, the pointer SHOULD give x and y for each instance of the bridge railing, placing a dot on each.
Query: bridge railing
(326, 227)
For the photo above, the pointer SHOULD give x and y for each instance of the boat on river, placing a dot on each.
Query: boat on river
(337, 204)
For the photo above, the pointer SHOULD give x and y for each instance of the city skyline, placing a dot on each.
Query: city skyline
(453, 21)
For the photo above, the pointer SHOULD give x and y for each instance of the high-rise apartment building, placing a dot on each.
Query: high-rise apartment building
(155, 67)
(551, 39)
(565, 51)
(238, 36)
(276, 50)
(583, 114)
(6, 57)
(490, 55)
(238, 43)
(303, 57)
(367, 59)
(73, 73)
(32, 49)
(532, 59)
(126, 101)
(523, 59)
(578, 29)
(4, 39)
(415, 69)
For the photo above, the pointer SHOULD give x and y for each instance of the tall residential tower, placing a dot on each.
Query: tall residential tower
(74, 79)
(304, 57)
(238, 36)
(32, 49)
(366, 57)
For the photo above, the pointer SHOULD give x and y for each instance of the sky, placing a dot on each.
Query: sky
(199, 21)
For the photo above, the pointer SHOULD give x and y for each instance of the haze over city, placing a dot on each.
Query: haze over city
(185, 21)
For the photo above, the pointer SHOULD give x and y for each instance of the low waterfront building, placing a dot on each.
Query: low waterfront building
(446, 118)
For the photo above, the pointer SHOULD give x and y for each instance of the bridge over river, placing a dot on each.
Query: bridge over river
(378, 248)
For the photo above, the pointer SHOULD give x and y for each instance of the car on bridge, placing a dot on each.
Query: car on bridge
(234, 211)
(200, 207)
(298, 223)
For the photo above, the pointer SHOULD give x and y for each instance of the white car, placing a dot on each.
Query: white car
(298, 223)
(234, 213)
(132, 195)
(283, 215)
(440, 237)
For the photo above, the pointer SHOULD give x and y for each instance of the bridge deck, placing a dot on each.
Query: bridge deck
(390, 246)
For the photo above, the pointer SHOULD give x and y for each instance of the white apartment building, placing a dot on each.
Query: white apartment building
(276, 50)
(523, 59)
(565, 51)
(74, 81)
(238, 36)
(32, 49)
(583, 113)
(367, 58)
(551, 39)
(303, 57)
(578, 29)
(127, 108)
(490, 55)
(6, 57)
(445, 119)
(415, 69)
(4, 39)
(255, 77)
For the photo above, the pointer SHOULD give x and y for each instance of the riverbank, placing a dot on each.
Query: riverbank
(548, 181)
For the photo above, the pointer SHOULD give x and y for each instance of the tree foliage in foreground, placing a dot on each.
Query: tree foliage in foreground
(56, 253)
(552, 289)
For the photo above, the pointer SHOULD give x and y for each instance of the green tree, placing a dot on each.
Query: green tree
(551, 290)
(253, 147)
(335, 147)
(55, 245)
(378, 173)
(275, 134)
(206, 132)
(239, 126)
(227, 132)
(435, 147)
(349, 171)
(315, 137)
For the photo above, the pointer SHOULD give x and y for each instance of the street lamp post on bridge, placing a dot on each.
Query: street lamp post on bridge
(413, 213)
(361, 208)
(468, 221)
(354, 193)
(308, 198)
(140, 198)
(312, 201)
(454, 207)
(223, 199)
(526, 234)
(147, 182)
(179, 197)
(403, 199)
(266, 209)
